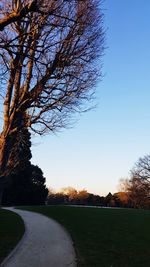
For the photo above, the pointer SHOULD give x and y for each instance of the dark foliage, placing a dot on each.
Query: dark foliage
(26, 188)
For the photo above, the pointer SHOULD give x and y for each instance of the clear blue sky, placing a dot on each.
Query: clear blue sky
(105, 143)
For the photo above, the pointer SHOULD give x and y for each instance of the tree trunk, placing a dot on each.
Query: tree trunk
(4, 162)
(4, 154)
(3, 182)
(1, 194)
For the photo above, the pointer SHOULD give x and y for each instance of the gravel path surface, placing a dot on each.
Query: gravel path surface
(45, 244)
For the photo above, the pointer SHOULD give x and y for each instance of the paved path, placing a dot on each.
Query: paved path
(45, 244)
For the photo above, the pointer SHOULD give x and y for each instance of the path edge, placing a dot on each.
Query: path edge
(19, 244)
(62, 227)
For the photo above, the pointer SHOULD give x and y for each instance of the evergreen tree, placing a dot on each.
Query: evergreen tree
(27, 188)
(26, 184)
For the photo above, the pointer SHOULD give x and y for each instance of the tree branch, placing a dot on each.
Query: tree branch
(16, 16)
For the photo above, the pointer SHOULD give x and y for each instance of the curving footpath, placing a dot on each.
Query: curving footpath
(44, 244)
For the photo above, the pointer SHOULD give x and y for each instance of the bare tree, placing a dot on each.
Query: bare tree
(139, 193)
(139, 184)
(142, 168)
(123, 184)
(48, 56)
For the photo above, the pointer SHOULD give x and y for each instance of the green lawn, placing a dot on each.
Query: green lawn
(105, 237)
(11, 231)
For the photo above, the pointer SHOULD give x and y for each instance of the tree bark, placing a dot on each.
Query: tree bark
(3, 161)
(4, 154)
(1, 194)
(3, 183)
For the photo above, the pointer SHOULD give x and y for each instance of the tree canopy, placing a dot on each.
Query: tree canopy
(49, 54)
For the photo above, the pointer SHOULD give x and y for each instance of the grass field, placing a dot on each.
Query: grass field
(105, 237)
(11, 230)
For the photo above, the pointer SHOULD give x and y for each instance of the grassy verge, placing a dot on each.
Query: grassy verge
(11, 231)
(105, 237)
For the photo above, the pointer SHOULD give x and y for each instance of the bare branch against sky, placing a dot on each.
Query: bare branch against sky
(48, 56)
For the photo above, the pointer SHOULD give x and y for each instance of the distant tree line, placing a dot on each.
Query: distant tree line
(27, 186)
(73, 197)
(134, 191)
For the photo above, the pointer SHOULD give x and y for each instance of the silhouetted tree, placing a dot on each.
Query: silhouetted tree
(139, 188)
(48, 56)
(27, 187)
(108, 199)
(139, 192)
(142, 168)
(20, 156)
